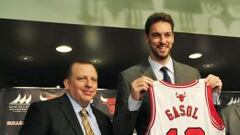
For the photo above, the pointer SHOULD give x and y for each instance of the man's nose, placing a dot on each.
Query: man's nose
(163, 39)
(89, 83)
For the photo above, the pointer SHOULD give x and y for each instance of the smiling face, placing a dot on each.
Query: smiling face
(81, 85)
(160, 40)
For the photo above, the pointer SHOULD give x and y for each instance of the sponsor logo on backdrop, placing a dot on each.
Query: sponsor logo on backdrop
(42, 98)
(110, 102)
(15, 123)
(20, 104)
(47, 95)
(234, 100)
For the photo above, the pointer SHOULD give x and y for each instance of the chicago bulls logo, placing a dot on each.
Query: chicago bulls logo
(110, 102)
(181, 96)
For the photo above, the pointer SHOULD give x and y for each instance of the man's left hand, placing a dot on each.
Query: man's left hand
(215, 82)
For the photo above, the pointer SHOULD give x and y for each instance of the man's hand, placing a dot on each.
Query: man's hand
(140, 85)
(215, 82)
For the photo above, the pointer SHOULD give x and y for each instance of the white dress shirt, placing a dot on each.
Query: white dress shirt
(157, 66)
(91, 117)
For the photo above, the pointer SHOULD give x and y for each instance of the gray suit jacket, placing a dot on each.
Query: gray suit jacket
(231, 117)
(124, 120)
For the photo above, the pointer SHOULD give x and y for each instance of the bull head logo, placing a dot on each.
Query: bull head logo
(110, 102)
(181, 96)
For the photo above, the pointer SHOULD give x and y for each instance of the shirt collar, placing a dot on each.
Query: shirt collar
(77, 107)
(157, 66)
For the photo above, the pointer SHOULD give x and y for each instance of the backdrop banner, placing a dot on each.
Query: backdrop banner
(14, 103)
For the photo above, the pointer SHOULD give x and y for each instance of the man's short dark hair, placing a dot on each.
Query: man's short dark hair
(79, 61)
(156, 17)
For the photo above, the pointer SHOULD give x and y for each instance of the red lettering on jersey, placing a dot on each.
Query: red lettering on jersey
(189, 111)
(169, 115)
(176, 114)
(195, 113)
(181, 110)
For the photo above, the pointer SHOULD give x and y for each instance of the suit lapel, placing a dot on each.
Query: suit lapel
(146, 70)
(180, 73)
(70, 115)
(99, 119)
(177, 72)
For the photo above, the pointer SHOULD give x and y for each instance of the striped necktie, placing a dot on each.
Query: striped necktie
(85, 122)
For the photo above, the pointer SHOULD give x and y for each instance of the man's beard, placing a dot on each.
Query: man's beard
(158, 56)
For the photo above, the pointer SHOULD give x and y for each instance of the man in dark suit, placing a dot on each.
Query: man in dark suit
(231, 117)
(61, 116)
(132, 105)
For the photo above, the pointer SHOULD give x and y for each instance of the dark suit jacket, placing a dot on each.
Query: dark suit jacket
(124, 120)
(231, 117)
(57, 117)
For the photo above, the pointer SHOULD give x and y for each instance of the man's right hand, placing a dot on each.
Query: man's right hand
(139, 86)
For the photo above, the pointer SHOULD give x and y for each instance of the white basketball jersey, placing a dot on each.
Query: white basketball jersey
(183, 110)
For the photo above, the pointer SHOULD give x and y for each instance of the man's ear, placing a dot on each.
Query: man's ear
(173, 37)
(66, 84)
(146, 39)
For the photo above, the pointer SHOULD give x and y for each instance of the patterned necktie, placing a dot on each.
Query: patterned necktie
(166, 78)
(85, 122)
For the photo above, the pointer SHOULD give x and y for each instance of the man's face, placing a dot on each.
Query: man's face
(160, 40)
(82, 85)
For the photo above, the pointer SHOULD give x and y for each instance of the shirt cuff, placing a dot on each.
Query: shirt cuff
(133, 105)
(215, 96)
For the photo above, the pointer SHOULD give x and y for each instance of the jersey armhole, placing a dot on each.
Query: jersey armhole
(214, 116)
(152, 110)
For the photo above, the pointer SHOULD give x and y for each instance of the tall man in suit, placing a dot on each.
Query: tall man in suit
(62, 115)
(231, 118)
(132, 105)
